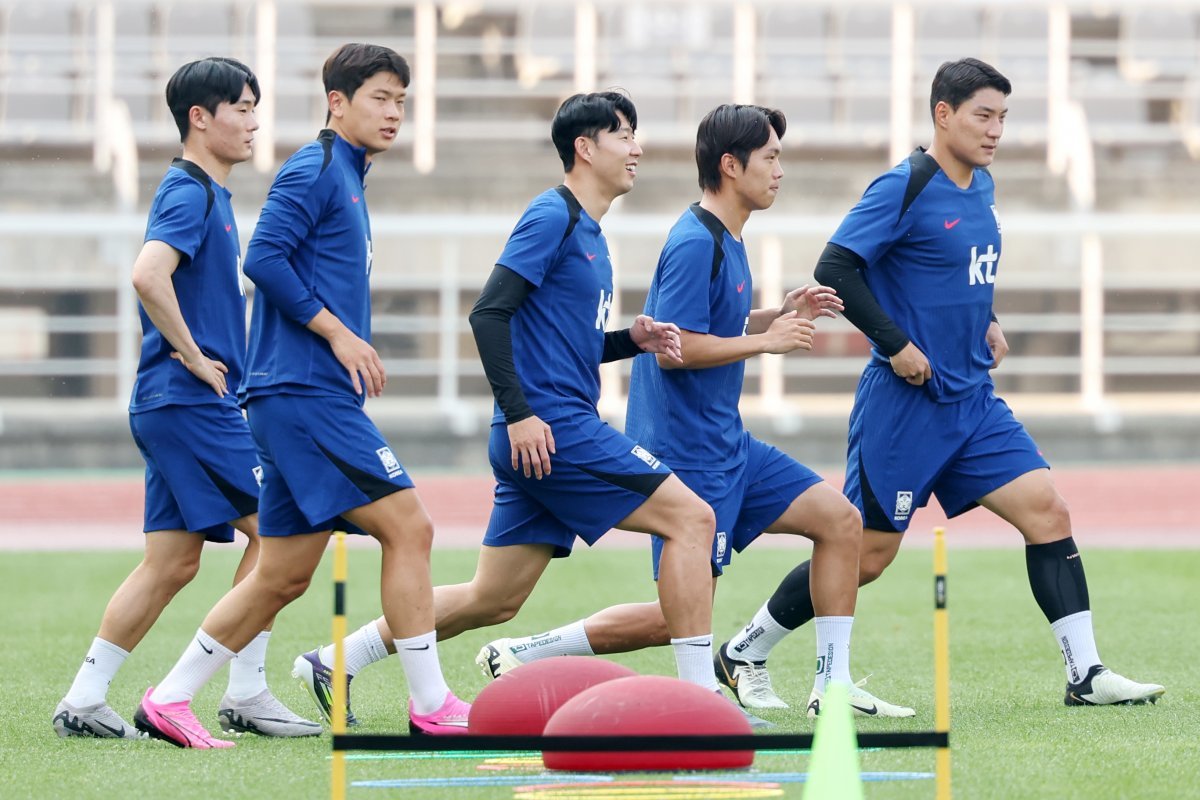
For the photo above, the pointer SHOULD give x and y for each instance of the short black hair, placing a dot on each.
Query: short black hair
(352, 64)
(735, 129)
(956, 81)
(207, 83)
(587, 115)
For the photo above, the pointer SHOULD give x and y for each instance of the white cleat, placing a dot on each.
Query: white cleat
(1103, 687)
(99, 721)
(862, 704)
(497, 658)
(748, 680)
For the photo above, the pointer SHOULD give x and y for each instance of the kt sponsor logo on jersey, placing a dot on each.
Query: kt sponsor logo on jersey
(982, 269)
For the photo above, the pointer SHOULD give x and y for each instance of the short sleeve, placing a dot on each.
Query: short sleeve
(874, 224)
(534, 242)
(684, 281)
(178, 216)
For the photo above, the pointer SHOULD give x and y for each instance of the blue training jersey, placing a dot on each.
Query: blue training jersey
(689, 417)
(192, 214)
(932, 252)
(311, 250)
(558, 331)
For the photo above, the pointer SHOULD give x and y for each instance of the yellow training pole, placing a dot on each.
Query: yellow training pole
(941, 662)
(338, 712)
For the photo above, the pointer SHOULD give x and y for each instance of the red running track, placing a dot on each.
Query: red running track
(1136, 506)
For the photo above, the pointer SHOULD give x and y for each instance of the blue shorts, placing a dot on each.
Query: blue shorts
(201, 468)
(321, 456)
(905, 446)
(746, 498)
(598, 477)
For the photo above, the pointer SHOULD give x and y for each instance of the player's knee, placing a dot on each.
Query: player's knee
(871, 564)
(698, 524)
(174, 576)
(846, 525)
(284, 588)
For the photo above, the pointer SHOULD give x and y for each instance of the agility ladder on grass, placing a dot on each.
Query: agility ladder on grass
(938, 738)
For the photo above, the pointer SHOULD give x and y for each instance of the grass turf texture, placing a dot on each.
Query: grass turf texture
(1012, 736)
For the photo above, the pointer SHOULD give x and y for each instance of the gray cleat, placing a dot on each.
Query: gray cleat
(99, 721)
(265, 715)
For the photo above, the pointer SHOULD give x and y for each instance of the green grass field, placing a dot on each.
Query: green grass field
(1011, 735)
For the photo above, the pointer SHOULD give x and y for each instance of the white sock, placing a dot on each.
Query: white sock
(200, 661)
(363, 647)
(755, 641)
(833, 651)
(99, 667)
(569, 640)
(419, 657)
(694, 660)
(1077, 642)
(248, 672)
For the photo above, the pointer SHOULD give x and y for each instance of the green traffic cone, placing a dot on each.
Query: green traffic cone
(833, 771)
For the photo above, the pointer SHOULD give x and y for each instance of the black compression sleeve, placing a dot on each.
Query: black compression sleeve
(491, 322)
(841, 269)
(618, 345)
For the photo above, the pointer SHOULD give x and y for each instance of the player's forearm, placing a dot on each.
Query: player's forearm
(157, 293)
(840, 269)
(761, 319)
(703, 350)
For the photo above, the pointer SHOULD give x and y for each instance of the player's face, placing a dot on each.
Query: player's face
(372, 118)
(230, 132)
(758, 183)
(616, 157)
(974, 128)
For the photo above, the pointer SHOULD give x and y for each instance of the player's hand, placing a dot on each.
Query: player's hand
(206, 369)
(657, 337)
(997, 342)
(532, 444)
(360, 360)
(912, 365)
(789, 332)
(810, 302)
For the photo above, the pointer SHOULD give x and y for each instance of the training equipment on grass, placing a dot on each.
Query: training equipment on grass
(833, 773)
(522, 701)
(689, 742)
(648, 705)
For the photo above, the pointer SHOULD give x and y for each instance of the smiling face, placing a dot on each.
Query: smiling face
(614, 157)
(372, 118)
(971, 132)
(229, 133)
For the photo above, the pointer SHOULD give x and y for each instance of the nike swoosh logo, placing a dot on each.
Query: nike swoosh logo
(228, 228)
(873, 710)
(951, 223)
(424, 647)
(118, 732)
(591, 256)
(741, 286)
(699, 644)
(353, 198)
(202, 647)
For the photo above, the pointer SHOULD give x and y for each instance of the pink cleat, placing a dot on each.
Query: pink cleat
(174, 723)
(449, 720)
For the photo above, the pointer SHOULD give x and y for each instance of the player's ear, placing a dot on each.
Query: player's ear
(583, 149)
(729, 165)
(337, 104)
(198, 118)
(941, 114)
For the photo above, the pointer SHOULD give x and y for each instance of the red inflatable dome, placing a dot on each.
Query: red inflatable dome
(520, 702)
(647, 705)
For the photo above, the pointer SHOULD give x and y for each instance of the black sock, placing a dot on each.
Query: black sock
(1056, 578)
(792, 605)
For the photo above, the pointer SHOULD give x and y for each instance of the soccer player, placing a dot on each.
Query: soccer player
(689, 417)
(915, 263)
(309, 370)
(200, 462)
(562, 472)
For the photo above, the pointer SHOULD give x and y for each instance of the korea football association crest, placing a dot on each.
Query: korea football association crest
(722, 543)
(390, 465)
(903, 506)
(258, 475)
(996, 214)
